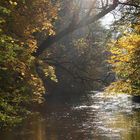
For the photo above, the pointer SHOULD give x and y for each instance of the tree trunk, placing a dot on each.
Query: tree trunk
(72, 27)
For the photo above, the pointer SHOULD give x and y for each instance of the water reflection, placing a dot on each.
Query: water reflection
(93, 117)
(116, 117)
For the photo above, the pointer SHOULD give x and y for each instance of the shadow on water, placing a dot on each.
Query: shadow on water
(90, 117)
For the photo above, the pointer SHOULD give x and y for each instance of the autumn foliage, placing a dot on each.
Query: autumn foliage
(19, 83)
(125, 56)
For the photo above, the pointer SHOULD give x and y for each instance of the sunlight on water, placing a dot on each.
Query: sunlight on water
(96, 116)
(116, 116)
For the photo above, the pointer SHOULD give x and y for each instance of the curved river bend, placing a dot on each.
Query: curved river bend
(93, 117)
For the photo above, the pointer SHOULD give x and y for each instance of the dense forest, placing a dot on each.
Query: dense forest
(61, 47)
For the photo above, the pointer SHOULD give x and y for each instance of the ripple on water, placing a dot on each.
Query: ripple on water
(97, 117)
(114, 117)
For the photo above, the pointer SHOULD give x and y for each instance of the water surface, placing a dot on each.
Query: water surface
(91, 117)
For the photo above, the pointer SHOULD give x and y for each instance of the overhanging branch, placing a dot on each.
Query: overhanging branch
(52, 39)
(72, 27)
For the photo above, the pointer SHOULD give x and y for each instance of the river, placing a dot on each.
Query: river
(95, 116)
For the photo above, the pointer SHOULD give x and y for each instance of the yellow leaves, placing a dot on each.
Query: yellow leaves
(51, 32)
(129, 42)
(36, 84)
(120, 87)
(137, 28)
(123, 49)
(32, 43)
(13, 3)
(19, 20)
(37, 88)
(29, 17)
(49, 27)
(26, 18)
(125, 58)
(50, 71)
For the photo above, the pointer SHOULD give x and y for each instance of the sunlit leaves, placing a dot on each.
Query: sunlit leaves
(4, 10)
(19, 82)
(50, 71)
(125, 56)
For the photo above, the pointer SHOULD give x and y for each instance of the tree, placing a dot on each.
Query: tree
(80, 60)
(101, 8)
(80, 16)
(19, 82)
(125, 52)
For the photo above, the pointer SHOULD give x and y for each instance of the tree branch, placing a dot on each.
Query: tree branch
(75, 75)
(52, 39)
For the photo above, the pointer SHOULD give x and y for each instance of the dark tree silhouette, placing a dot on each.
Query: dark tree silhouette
(76, 25)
